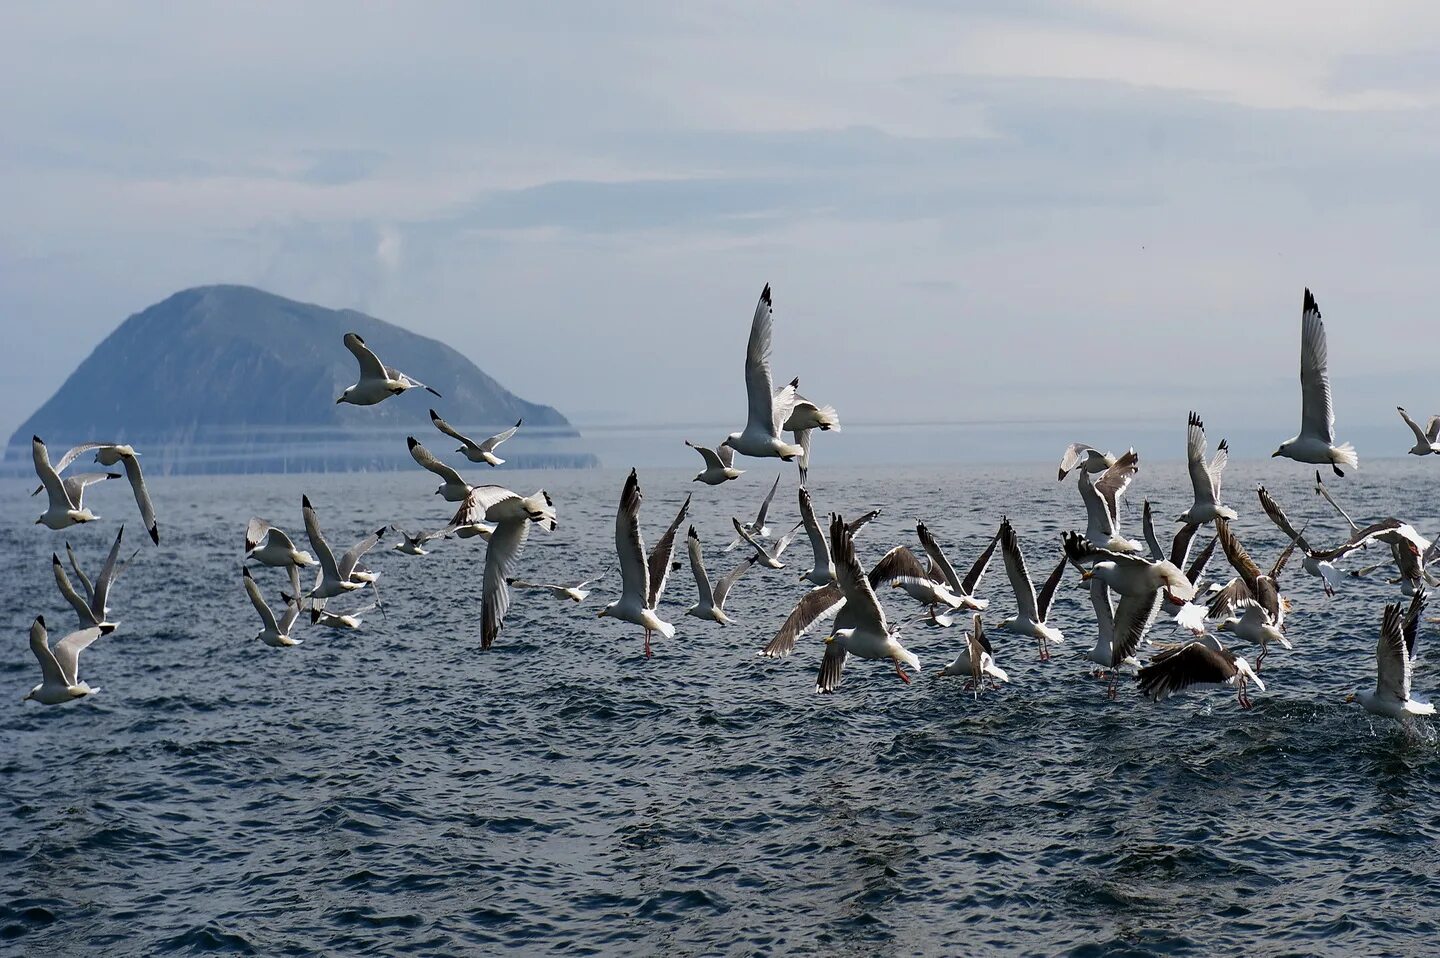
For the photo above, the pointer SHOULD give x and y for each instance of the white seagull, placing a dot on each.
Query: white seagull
(1032, 611)
(1426, 442)
(475, 451)
(1122, 627)
(805, 417)
(377, 381)
(1316, 442)
(66, 506)
(757, 529)
(577, 593)
(414, 544)
(270, 546)
(711, 602)
(331, 581)
(110, 454)
(769, 558)
(454, 488)
(94, 609)
(1205, 477)
(59, 665)
(719, 464)
(769, 410)
(1090, 458)
(976, 660)
(348, 621)
(273, 632)
(827, 600)
(1254, 625)
(822, 570)
(1102, 502)
(1393, 669)
(865, 632)
(512, 515)
(633, 606)
(1326, 572)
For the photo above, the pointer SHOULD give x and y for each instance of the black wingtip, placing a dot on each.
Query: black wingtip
(107, 628)
(518, 422)
(411, 442)
(434, 415)
(692, 534)
(765, 295)
(245, 571)
(1310, 305)
(434, 392)
(305, 502)
(155, 534)
(37, 439)
(40, 619)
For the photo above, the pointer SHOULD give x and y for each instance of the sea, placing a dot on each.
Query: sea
(397, 791)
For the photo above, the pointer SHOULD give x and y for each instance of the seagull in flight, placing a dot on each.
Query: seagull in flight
(111, 454)
(866, 633)
(1201, 663)
(577, 593)
(66, 507)
(768, 410)
(634, 606)
(757, 529)
(377, 381)
(1033, 611)
(60, 664)
(273, 632)
(475, 451)
(454, 488)
(711, 601)
(719, 464)
(1427, 442)
(94, 609)
(1316, 442)
(1205, 477)
(1393, 669)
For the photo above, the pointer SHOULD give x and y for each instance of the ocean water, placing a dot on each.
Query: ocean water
(397, 791)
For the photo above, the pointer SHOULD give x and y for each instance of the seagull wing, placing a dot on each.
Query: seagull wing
(1115, 480)
(1216, 469)
(630, 547)
(370, 365)
(1200, 478)
(67, 652)
(500, 557)
(660, 556)
(40, 645)
(860, 599)
(1019, 575)
(1432, 429)
(84, 579)
(697, 568)
(76, 483)
(317, 541)
(1147, 525)
(712, 459)
(855, 525)
(1323, 491)
(1239, 559)
(1360, 538)
(142, 496)
(1099, 520)
(723, 587)
(1282, 521)
(427, 459)
(1420, 436)
(765, 506)
(1104, 610)
(1412, 622)
(489, 444)
(1133, 617)
(1197, 568)
(749, 540)
(814, 606)
(1194, 663)
(1047, 591)
(1392, 660)
(1073, 453)
(977, 571)
(832, 668)
(81, 607)
(348, 561)
(258, 601)
(1317, 416)
(450, 431)
(758, 382)
(818, 545)
(937, 556)
(106, 578)
(76, 452)
(49, 478)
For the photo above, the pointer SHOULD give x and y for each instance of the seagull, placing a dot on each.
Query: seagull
(1326, 572)
(377, 381)
(1192, 614)
(1255, 626)
(1122, 627)
(1129, 575)
(469, 520)
(1090, 458)
(454, 488)
(269, 546)
(475, 452)
(1410, 551)
(93, 610)
(633, 606)
(825, 601)
(331, 580)
(962, 589)
(1033, 611)
(866, 632)
(512, 515)
(659, 560)
(769, 410)
(711, 604)
(1426, 442)
(976, 660)
(66, 507)
(769, 558)
(1199, 663)
(1316, 442)
(804, 417)
(1251, 583)
(577, 593)
(340, 620)
(59, 664)
(414, 545)
(719, 464)
(757, 529)
(1323, 491)
(1102, 502)
(274, 632)
(1205, 478)
(110, 454)
(822, 570)
(1393, 670)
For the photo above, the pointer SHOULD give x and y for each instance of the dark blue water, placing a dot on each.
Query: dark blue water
(396, 791)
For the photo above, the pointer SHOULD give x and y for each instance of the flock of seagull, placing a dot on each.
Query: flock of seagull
(1130, 582)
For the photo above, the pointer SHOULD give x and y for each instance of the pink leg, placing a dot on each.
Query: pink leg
(648, 653)
(901, 672)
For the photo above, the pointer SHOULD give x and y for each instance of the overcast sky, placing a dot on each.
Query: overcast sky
(1027, 210)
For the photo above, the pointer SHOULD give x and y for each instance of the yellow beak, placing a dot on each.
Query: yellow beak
(829, 638)
(1086, 576)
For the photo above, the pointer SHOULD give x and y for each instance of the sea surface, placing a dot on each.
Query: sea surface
(396, 791)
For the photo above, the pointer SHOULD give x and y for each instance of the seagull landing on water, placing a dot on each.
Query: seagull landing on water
(1393, 667)
(377, 381)
(768, 409)
(719, 464)
(1316, 442)
(976, 661)
(476, 451)
(1426, 442)
(66, 506)
(1202, 664)
(60, 664)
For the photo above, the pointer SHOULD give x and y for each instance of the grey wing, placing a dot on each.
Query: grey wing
(427, 459)
(346, 568)
(697, 568)
(1392, 661)
(855, 525)
(49, 478)
(748, 539)
(1104, 611)
(814, 606)
(67, 652)
(723, 587)
(1017, 572)
(630, 547)
(759, 387)
(784, 404)
(1420, 436)
(500, 557)
(898, 563)
(1432, 429)
(818, 544)
(258, 601)
(40, 645)
(785, 540)
(81, 607)
(977, 571)
(255, 532)
(107, 576)
(765, 506)
(450, 430)
(489, 444)
(1277, 516)
(937, 556)
(1222, 603)
(725, 454)
(660, 556)
(1412, 622)
(1360, 538)
(76, 483)
(287, 619)
(1200, 479)
(1116, 479)
(860, 598)
(1216, 469)
(1180, 545)
(1323, 492)
(1071, 457)
(1317, 417)
(84, 579)
(142, 496)
(1047, 592)
(832, 668)
(1133, 617)
(712, 459)
(317, 540)
(370, 365)
(1197, 568)
(72, 454)
(1147, 524)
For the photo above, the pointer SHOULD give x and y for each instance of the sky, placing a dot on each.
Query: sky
(1024, 211)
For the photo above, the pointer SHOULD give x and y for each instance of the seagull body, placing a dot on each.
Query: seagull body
(1256, 627)
(59, 665)
(719, 464)
(633, 606)
(475, 451)
(1202, 663)
(1205, 477)
(454, 488)
(273, 632)
(94, 609)
(577, 593)
(866, 633)
(269, 546)
(339, 620)
(1393, 669)
(1032, 612)
(414, 545)
(377, 381)
(768, 410)
(1128, 575)
(111, 454)
(962, 589)
(1087, 457)
(1102, 502)
(826, 601)
(1122, 628)
(805, 417)
(66, 505)
(1316, 441)
(711, 602)
(976, 660)
(769, 558)
(512, 515)
(1427, 441)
